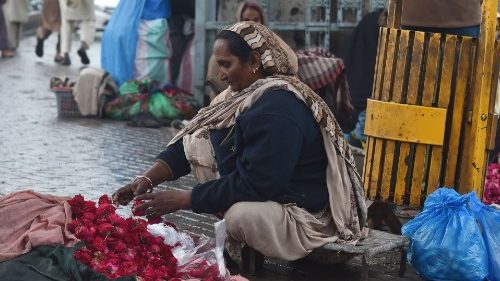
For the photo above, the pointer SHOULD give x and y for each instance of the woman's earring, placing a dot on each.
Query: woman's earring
(255, 70)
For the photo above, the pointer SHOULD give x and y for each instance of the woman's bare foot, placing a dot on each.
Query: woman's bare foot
(8, 53)
(58, 58)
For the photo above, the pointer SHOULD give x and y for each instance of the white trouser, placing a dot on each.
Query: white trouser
(87, 33)
(14, 30)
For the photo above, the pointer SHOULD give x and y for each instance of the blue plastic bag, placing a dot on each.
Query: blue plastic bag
(119, 41)
(489, 219)
(446, 241)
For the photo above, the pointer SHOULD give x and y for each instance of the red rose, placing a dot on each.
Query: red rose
(73, 225)
(99, 245)
(115, 219)
(120, 247)
(85, 233)
(105, 228)
(213, 270)
(127, 268)
(105, 210)
(103, 200)
(155, 248)
(83, 255)
(119, 232)
(136, 204)
(88, 217)
(152, 274)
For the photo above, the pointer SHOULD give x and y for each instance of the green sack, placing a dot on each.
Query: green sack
(162, 107)
(129, 87)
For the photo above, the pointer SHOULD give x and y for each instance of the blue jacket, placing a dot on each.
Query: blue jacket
(274, 152)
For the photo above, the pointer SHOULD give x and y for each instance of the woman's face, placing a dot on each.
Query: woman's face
(232, 70)
(250, 14)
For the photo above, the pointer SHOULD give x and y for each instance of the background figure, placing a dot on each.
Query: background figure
(153, 52)
(50, 22)
(458, 17)
(15, 13)
(135, 43)
(4, 41)
(247, 11)
(77, 11)
(182, 15)
(359, 57)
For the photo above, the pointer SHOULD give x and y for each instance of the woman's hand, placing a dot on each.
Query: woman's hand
(125, 194)
(164, 202)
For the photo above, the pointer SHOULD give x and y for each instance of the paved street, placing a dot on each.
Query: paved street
(51, 155)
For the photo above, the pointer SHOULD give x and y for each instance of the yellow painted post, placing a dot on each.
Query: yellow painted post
(444, 99)
(481, 89)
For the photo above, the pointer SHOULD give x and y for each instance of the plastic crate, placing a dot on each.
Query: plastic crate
(66, 104)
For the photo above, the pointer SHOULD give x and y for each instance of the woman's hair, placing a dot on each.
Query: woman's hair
(237, 45)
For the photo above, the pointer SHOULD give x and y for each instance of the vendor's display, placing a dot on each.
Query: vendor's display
(137, 98)
(45, 237)
(119, 246)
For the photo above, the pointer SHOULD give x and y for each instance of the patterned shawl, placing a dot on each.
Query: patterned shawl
(346, 195)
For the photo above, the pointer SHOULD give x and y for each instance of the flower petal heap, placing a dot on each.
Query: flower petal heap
(118, 247)
(492, 185)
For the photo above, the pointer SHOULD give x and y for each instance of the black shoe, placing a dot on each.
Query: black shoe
(83, 56)
(147, 120)
(65, 60)
(39, 47)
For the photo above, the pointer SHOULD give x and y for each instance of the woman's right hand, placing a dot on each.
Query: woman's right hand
(125, 194)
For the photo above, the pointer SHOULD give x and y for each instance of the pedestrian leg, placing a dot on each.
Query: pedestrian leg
(87, 34)
(66, 31)
(41, 35)
(13, 33)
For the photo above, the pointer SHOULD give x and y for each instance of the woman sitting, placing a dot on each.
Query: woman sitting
(267, 152)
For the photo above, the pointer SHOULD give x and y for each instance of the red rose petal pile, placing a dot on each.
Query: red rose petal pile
(492, 185)
(118, 247)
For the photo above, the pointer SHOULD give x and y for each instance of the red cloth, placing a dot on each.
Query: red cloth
(319, 68)
(29, 219)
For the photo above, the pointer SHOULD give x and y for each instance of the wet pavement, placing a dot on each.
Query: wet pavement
(90, 156)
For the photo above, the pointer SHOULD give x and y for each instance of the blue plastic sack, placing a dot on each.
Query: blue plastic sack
(489, 219)
(119, 40)
(446, 241)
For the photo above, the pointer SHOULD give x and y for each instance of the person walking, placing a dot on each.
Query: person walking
(4, 41)
(16, 14)
(458, 17)
(73, 11)
(50, 22)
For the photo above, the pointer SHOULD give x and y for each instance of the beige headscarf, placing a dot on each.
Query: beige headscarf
(346, 195)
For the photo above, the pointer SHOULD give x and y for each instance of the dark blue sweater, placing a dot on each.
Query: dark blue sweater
(274, 152)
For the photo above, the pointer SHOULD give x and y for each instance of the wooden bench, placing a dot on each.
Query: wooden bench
(376, 243)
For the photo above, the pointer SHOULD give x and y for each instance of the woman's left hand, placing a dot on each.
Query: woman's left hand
(160, 203)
